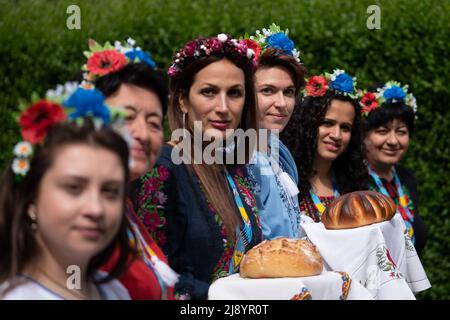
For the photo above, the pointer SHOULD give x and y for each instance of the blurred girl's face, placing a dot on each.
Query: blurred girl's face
(276, 97)
(335, 131)
(216, 98)
(80, 201)
(387, 144)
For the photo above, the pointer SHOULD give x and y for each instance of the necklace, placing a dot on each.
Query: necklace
(315, 198)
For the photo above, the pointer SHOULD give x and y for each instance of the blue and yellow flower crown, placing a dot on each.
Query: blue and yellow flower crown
(68, 102)
(391, 92)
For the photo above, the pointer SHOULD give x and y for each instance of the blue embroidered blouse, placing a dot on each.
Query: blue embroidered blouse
(279, 211)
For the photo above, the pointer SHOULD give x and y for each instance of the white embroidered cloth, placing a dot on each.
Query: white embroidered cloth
(326, 286)
(380, 257)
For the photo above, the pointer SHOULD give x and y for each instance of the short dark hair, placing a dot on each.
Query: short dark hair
(386, 113)
(140, 75)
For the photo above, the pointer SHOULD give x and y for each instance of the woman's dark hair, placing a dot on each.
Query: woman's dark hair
(273, 58)
(386, 113)
(18, 245)
(140, 75)
(212, 176)
(300, 136)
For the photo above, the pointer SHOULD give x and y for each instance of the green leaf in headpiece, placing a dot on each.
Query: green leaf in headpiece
(34, 97)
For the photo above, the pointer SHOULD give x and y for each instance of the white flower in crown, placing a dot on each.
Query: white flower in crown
(20, 166)
(131, 42)
(250, 53)
(296, 54)
(23, 149)
(266, 32)
(61, 92)
(222, 37)
(335, 73)
(411, 101)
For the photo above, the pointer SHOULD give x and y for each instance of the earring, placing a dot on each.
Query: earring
(184, 129)
(33, 218)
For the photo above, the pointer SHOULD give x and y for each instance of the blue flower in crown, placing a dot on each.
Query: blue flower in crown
(394, 94)
(281, 42)
(88, 102)
(274, 38)
(142, 56)
(343, 82)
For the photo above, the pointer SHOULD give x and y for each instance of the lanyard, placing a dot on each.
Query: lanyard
(315, 198)
(403, 204)
(244, 235)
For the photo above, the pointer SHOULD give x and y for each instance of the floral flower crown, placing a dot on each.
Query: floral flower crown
(274, 38)
(204, 47)
(67, 102)
(338, 81)
(391, 92)
(106, 59)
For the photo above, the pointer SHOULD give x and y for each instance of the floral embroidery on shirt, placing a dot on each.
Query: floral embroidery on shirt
(222, 267)
(307, 206)
(151, 201)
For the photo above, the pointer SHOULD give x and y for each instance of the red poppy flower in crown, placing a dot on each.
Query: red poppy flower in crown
(204, 47)
(68, 102)
(102, 60)
(338, 81)
(391, 92)
(273, 37)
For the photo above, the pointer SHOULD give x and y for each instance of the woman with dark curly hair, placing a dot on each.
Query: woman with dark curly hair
(388, 124)
(324, 136)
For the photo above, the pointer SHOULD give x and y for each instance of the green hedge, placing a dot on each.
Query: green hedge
(37, 51)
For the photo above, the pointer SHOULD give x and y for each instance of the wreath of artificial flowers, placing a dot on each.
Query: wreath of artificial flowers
(338, 81)
(103, 60)
(203, 47)
(68, 102)
(391, 92)
(274, 38)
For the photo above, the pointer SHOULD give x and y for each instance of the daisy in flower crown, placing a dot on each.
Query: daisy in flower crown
(391, 92)
(67, 102)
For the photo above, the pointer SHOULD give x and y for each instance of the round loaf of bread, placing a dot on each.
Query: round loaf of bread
(359, 208)
(281, 257)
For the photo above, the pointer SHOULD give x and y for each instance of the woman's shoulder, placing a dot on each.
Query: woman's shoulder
(406, 175)
(111, 290)
(24, 288)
